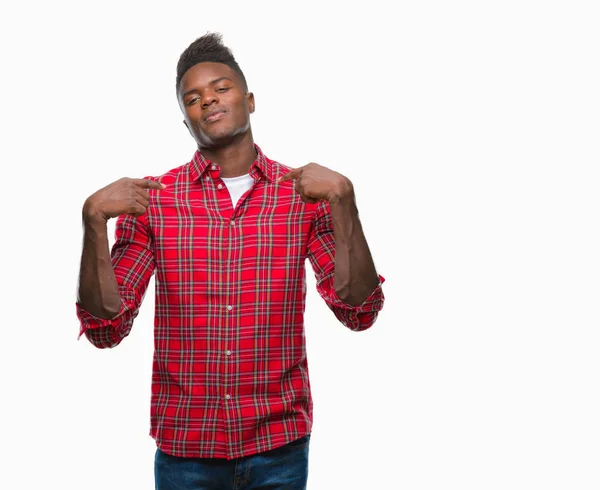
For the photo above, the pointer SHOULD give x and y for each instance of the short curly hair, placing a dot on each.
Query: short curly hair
(208, 48)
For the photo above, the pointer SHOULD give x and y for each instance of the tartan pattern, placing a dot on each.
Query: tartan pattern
(230, 374)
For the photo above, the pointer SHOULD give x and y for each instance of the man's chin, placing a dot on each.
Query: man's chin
(218, 138)
(215, 140)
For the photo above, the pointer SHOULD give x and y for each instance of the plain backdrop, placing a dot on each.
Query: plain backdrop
(471, 133)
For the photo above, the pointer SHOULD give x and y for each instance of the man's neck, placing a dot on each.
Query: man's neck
(234, 159)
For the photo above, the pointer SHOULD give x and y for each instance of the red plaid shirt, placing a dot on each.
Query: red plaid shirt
(230, 376)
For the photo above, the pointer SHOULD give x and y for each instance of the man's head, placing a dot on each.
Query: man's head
(212, 92)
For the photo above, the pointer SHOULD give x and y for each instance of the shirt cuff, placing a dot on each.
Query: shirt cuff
(89, 321)
(374, 302)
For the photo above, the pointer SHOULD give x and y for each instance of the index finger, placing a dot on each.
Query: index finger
(293, 174)
(148, 184)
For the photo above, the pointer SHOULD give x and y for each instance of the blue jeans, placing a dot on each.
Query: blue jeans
(284, 468)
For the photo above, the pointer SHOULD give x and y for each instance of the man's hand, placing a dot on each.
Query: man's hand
(316, 183)
(125, 196)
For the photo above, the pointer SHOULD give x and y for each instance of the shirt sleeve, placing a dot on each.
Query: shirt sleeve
(132, 258)
(321, 252)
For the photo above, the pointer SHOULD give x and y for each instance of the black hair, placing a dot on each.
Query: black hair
(207, 48)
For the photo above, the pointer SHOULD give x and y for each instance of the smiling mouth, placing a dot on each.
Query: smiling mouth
(215, 117)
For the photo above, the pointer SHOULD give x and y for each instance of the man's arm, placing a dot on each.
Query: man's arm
(338, 249)
(355, 275)
(106, 305)
(98, 291)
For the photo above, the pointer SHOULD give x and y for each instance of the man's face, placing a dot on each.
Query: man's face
(215, 104)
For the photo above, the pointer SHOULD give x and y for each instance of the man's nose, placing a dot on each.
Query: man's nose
(208, 98)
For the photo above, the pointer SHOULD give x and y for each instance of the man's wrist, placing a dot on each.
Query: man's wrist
(92, 217)
(343, 192)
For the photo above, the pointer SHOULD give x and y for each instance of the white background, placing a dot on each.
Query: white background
(470, 130)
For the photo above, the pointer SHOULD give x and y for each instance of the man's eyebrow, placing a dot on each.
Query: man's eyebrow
(212, 82)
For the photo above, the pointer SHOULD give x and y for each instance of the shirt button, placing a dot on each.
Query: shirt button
(228, 397)
(229, 307)
(228, 352)
(232, 222)
(220, 186)
(214, 167)
(207, 178)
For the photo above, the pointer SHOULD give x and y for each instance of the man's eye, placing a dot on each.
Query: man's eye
(222, 89)
(192, 101)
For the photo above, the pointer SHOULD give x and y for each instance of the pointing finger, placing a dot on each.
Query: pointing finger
(148, 184)
(294, 174)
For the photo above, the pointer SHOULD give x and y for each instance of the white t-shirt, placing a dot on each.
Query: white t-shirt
(237, 186)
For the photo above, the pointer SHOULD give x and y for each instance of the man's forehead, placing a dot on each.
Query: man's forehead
(206, 72)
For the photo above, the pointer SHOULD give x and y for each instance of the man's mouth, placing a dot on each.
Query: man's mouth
(215, 116)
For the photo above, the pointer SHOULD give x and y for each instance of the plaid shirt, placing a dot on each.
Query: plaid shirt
(230, 376)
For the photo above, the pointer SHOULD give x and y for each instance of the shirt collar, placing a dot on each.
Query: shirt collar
(262, 166)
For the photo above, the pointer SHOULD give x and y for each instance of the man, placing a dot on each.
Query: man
(227, 236)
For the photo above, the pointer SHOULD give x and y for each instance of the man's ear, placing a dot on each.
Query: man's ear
(251, 102)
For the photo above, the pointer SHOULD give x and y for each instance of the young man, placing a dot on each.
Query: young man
(227, 236)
